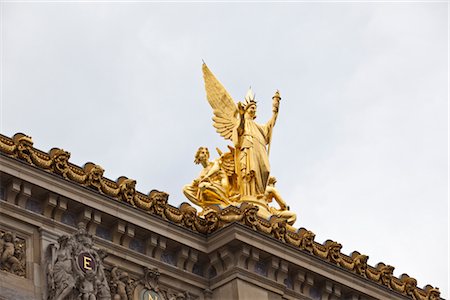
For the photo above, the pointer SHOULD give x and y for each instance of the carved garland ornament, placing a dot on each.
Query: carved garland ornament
(214, 217)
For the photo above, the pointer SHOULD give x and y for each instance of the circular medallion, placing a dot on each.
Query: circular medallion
(86, 262)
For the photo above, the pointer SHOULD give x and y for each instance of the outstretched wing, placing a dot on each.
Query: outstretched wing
(224, 109)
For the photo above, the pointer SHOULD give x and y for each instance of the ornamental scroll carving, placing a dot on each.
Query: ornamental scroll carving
(12, 253)
(75, 269)
(91, 175)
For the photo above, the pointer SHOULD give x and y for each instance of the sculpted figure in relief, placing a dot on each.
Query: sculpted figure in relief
(62, 275)
(87, 287)
(12, 254)
(75, 269)
(122, 286)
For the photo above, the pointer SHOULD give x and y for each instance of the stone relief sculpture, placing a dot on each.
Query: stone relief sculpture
(241, 175)
(12, 253)
(171, 295)
(152, 290)
(121, 285)
(75, 269)
(150, 280)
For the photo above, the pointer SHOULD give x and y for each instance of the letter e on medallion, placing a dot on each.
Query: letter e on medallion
(86, 262)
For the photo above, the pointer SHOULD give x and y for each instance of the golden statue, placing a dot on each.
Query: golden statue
(283, 212)
(215, 184)
(242, 174)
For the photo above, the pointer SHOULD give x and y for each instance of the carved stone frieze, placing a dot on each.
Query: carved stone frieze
(156, 203)
(75, 269)
(12, 253)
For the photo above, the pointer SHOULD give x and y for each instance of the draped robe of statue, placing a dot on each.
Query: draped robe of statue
(213, 191)
(253, 156)
(251, 140)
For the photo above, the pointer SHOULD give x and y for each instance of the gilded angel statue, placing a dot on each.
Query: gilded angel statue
(242, 174)
(236, 122)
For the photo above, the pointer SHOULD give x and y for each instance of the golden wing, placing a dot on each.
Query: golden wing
(224, 109)
(227, 161)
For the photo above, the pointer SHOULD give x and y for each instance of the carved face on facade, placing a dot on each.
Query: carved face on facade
(434, 294)
(212, 220)
(128, 189)
(307, 241)
(8, 237)
(95, 175)
(24, 145)
(386, 274)
(335, 249)
(361, 264)
(189, 218)
(159, 201)
(309, 237)
(61, 160)
(410, 286)
(20, 250)
(251, 214)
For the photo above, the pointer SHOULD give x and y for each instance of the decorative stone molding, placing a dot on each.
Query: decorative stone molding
(20, 147)
(12, 253)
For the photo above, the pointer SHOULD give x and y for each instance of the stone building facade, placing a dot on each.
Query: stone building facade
(67, 232)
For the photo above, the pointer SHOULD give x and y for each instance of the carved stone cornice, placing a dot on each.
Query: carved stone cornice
(155, 203)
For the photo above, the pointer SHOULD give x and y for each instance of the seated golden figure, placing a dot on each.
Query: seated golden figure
(213, 185)
(265, 211)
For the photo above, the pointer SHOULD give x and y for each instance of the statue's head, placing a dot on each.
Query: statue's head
(251, 111)
(250, 104)
(8, 237)
(62, 240)
(201, 155)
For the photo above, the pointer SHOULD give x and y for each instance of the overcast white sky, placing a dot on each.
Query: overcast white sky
(360, 149)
